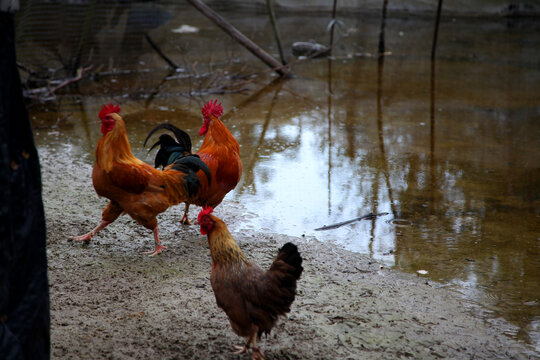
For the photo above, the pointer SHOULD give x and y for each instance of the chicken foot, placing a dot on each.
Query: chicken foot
(256, 352)
(88, 237)
(158, 248)
(185, 218)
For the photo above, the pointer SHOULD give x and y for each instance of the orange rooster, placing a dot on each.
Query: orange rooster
(219, 151)
(252, 299)
(136, 188)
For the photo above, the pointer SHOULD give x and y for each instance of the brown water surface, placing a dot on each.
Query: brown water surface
(450, 150)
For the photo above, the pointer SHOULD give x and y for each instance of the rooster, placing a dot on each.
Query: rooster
(219, 151)
(137, 188)
(252, 299)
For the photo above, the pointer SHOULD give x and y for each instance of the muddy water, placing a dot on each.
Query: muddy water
(449, 150)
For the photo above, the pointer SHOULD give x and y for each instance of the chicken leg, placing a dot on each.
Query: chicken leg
(111, 212)
(88, 237)
(185, 218)
(158, 248)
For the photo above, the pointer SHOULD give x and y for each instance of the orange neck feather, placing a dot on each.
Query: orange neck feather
(114, 147)
(218, 133)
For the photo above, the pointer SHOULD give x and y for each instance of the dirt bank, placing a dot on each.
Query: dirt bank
(108, 300)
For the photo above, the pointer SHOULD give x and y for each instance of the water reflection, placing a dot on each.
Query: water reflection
(448, 149)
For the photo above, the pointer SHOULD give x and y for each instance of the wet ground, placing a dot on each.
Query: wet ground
(449, 150)
(111, 301)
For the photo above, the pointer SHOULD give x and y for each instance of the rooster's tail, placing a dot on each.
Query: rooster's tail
(170, 149)
(190, 165)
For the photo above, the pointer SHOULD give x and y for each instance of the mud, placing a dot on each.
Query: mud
(109, 300)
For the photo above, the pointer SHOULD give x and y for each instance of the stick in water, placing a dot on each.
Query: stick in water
(340, 224)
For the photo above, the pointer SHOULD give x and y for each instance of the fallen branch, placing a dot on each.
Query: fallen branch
(340, 224)
(241, 38)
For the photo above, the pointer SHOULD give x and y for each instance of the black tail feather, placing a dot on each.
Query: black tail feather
(169, 151)
(181, 136)
(169, 148)
(289, 253)
(190, 165)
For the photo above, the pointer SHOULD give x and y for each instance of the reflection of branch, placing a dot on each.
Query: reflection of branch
(77, 77)
(381, 134)
(383, 25)
(329, 115)
(255, 152)
(256, 96)
(432, 129)
(436, 31)
(38, 93)
(156, 90)
(58, 121)
(160, 53)
(334, 8)
(225, 89)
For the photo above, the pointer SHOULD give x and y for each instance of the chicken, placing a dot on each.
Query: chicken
(219, 151)
(252, 299)
(137, 188)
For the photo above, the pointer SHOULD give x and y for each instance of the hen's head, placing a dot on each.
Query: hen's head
(205, 220)
(107, 118)
(210, 109)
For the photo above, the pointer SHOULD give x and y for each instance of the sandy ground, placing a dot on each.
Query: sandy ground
(108, 300)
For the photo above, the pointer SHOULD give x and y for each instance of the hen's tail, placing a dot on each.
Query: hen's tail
(280, 287)
(170, 149)
(290, 255)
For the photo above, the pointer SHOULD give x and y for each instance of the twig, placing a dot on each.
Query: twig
(160, 53)
(340, 224)
(241, 38)
(25, 68)
(66, 82)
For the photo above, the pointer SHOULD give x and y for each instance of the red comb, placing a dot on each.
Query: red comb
(205, 211)
(108, 109)
(212, 108)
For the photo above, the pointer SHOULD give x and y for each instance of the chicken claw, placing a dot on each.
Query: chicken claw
(85, 237)
(185, 220)
(88, 237)
(257, 353)
(240, 349)
(157, 250)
